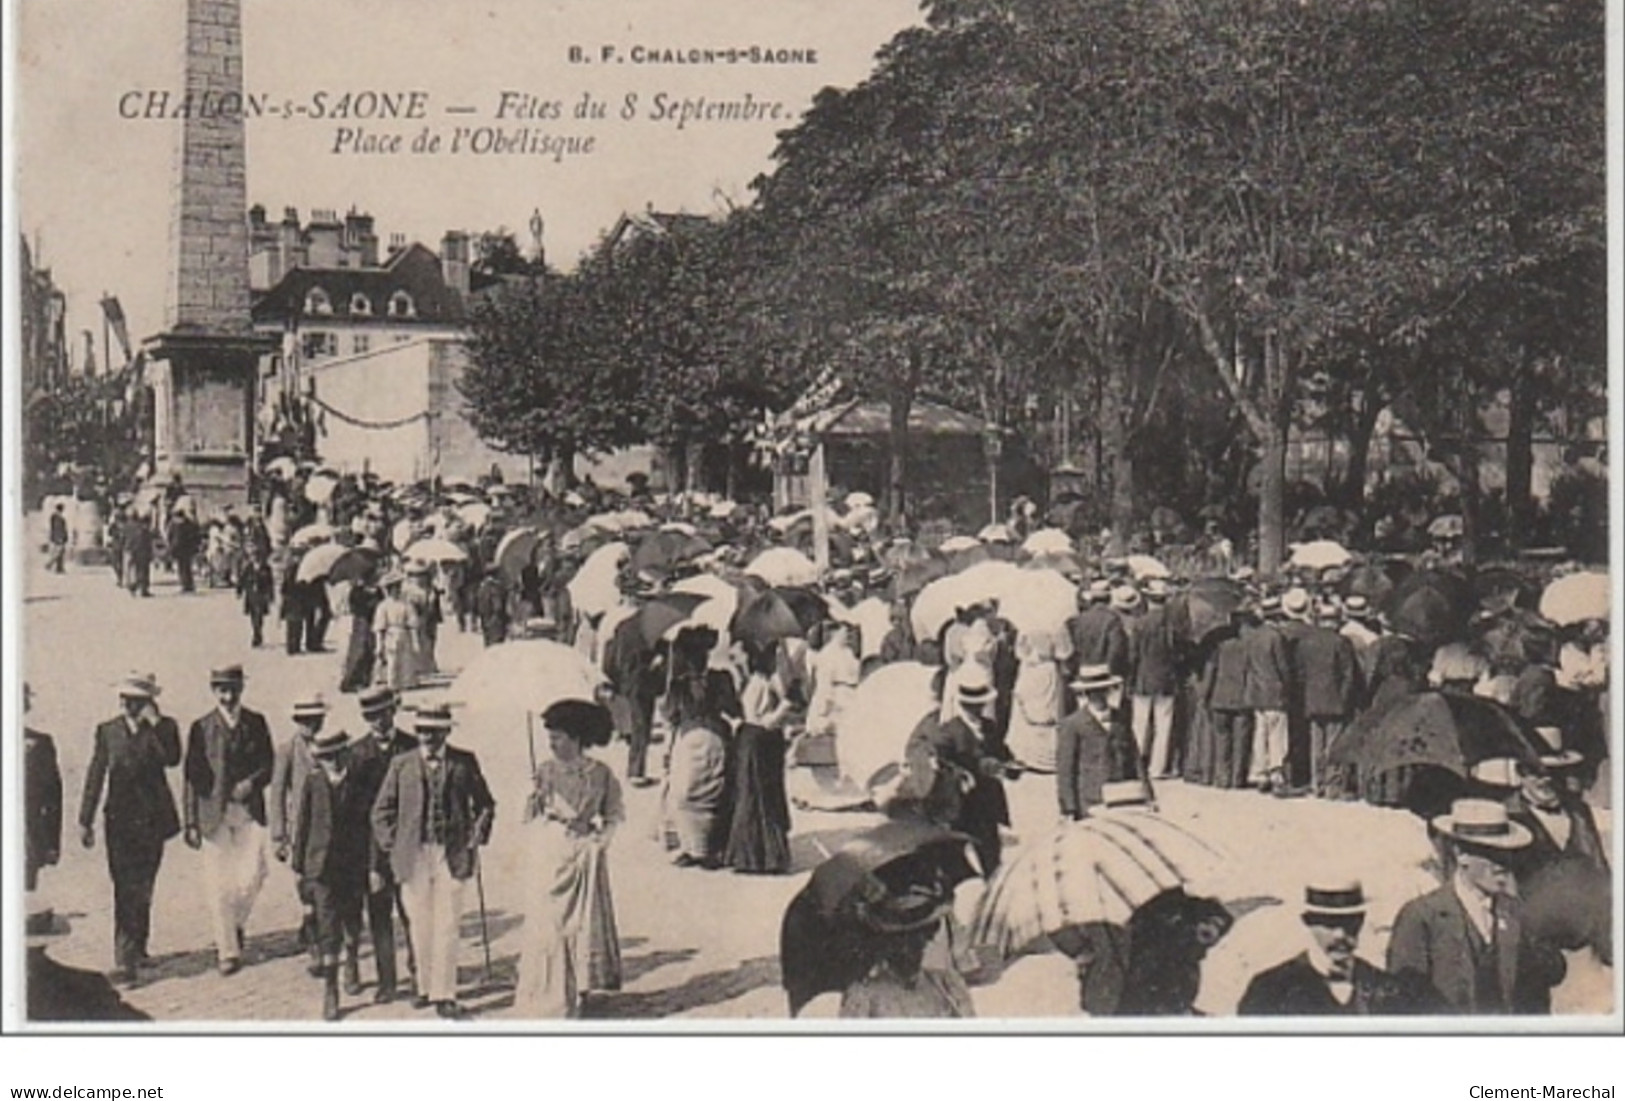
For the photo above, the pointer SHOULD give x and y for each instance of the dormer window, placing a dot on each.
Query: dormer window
(360, 305)
(317, 302)
(400, 305)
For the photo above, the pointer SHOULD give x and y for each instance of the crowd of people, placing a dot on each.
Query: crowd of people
(1140, 675)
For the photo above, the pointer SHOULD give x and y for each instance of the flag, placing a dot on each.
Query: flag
(114, 313)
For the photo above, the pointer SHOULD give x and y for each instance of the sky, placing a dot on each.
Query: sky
(96, 190)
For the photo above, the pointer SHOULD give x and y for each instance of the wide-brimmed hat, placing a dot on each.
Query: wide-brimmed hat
(311, 707)
(140, 685)
(226, 674)
(1096, 678)
(416, 567)
(1482, 824)
(432, 717)
(1556, 755)
(328, 745)
(1334, 899)
(1095, 591)
(380, 698)
(1125, 598)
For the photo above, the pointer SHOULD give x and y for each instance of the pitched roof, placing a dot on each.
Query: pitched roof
(873, 418)
(414, 269)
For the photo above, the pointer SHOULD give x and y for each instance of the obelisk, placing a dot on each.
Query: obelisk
(207, 358)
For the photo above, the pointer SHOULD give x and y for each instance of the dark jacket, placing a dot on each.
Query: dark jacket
(1296, 989)
(1225, 675)
(1431, 939)
(139, 806)
(1328, 674)
(1155, 657)
(209, 781)
(1099, 638)
(369, 764)
(1088, 755)
(334, 835)
(256, 584)
(1585, 840)
(953, 749)
(42, 801)
(1268, 682)
(398, 813)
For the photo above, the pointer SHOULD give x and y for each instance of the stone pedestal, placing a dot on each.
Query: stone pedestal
(203, 384)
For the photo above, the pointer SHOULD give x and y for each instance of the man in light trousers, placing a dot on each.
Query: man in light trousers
(228, 765)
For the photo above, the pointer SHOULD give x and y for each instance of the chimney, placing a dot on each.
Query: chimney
(363, 242)
(454, 261)
(397, 243)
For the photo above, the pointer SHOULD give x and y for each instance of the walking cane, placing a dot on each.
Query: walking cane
(485, 932)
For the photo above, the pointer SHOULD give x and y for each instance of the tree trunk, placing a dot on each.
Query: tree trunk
(1114, 445)
(1363, 428)
(901, 403)
(1472, 523)
(1272, 500)
(1520, 458)
(731, 475)
(693, 458)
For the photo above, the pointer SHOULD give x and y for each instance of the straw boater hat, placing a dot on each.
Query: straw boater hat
(1482, 824)
(1556, 757)
(1125, 598)
(375, 700)
(1334, 899)
(311, 707)
(1357, 606)
(1156, 590)
(1269, 605)
(328, 745)
(1496, 772)
(975, 686)
(139, 686)
(1096, 591)
(1096, 678)
(1124, 793)
(227, 674)
(432, 717)
(1295, 603)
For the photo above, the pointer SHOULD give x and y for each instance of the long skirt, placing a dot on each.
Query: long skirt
(358, 657)
(697, 793)
(398, 659)
(570, 940)
(759, 835)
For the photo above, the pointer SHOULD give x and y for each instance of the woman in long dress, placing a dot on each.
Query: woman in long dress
(698, 792)
(395, 627)
(570, 942)
(835, 672)
(361, 655)
(1040, 697)
(759, 837)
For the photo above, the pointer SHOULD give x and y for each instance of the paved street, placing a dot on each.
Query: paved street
(696, 944)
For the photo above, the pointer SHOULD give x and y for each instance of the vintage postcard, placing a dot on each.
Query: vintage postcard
(857, 516)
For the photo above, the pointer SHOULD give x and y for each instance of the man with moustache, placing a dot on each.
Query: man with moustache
(128, 761)
(1329, 978)
(228, 765)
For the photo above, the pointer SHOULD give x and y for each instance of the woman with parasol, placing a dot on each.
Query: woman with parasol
(759, 834)
(395, 628)
(699, 702)
(570, 941)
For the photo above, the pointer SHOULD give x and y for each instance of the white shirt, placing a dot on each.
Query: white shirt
(1480, 907)
(1557, 823)
(231, 717)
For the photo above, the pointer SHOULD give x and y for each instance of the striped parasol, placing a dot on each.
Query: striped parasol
(1099, 870)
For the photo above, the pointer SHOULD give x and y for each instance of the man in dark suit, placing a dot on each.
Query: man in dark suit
(370, 756)
(961, 766)
(1467, 938)
(332, 856)
(1329, 979)
(1093, 746)
(58, 539)
(128, 762)
(42, 810)
(1266, 690)
(1222, 688)
(184, 540)
(228, 765)
(1560, 823)
(1098, 635)
(1327, 670)
(432, 813)
(1155, 680)
(138, 555)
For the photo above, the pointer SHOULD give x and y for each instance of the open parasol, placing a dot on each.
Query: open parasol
(1205, 608)
(662, 550)
(1143, 567)
(1042, 600)
(594, 588)
(1048, 541)
(436, 550)
(873, 728)
(938, 602)
(312, 534)
(319, 562)
(1448, 730)
(769, 615)
(1576, 597)
(1098, 870)
(784, 566)
(354, 564)
(1319, 554)
(516, 550)
(713, 587)
(872, 617)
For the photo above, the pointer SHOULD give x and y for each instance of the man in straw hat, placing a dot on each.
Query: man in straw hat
(1093, 746)
(1467, 937)
(958, 761)
(1098, 634)
(432, 813)
(370, 756)
(332, 856)
(1328, 978)
(128, 761)
(1547, 804)
(1155, 679)
(1267, 693)
(229, 762)
(294, 764)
